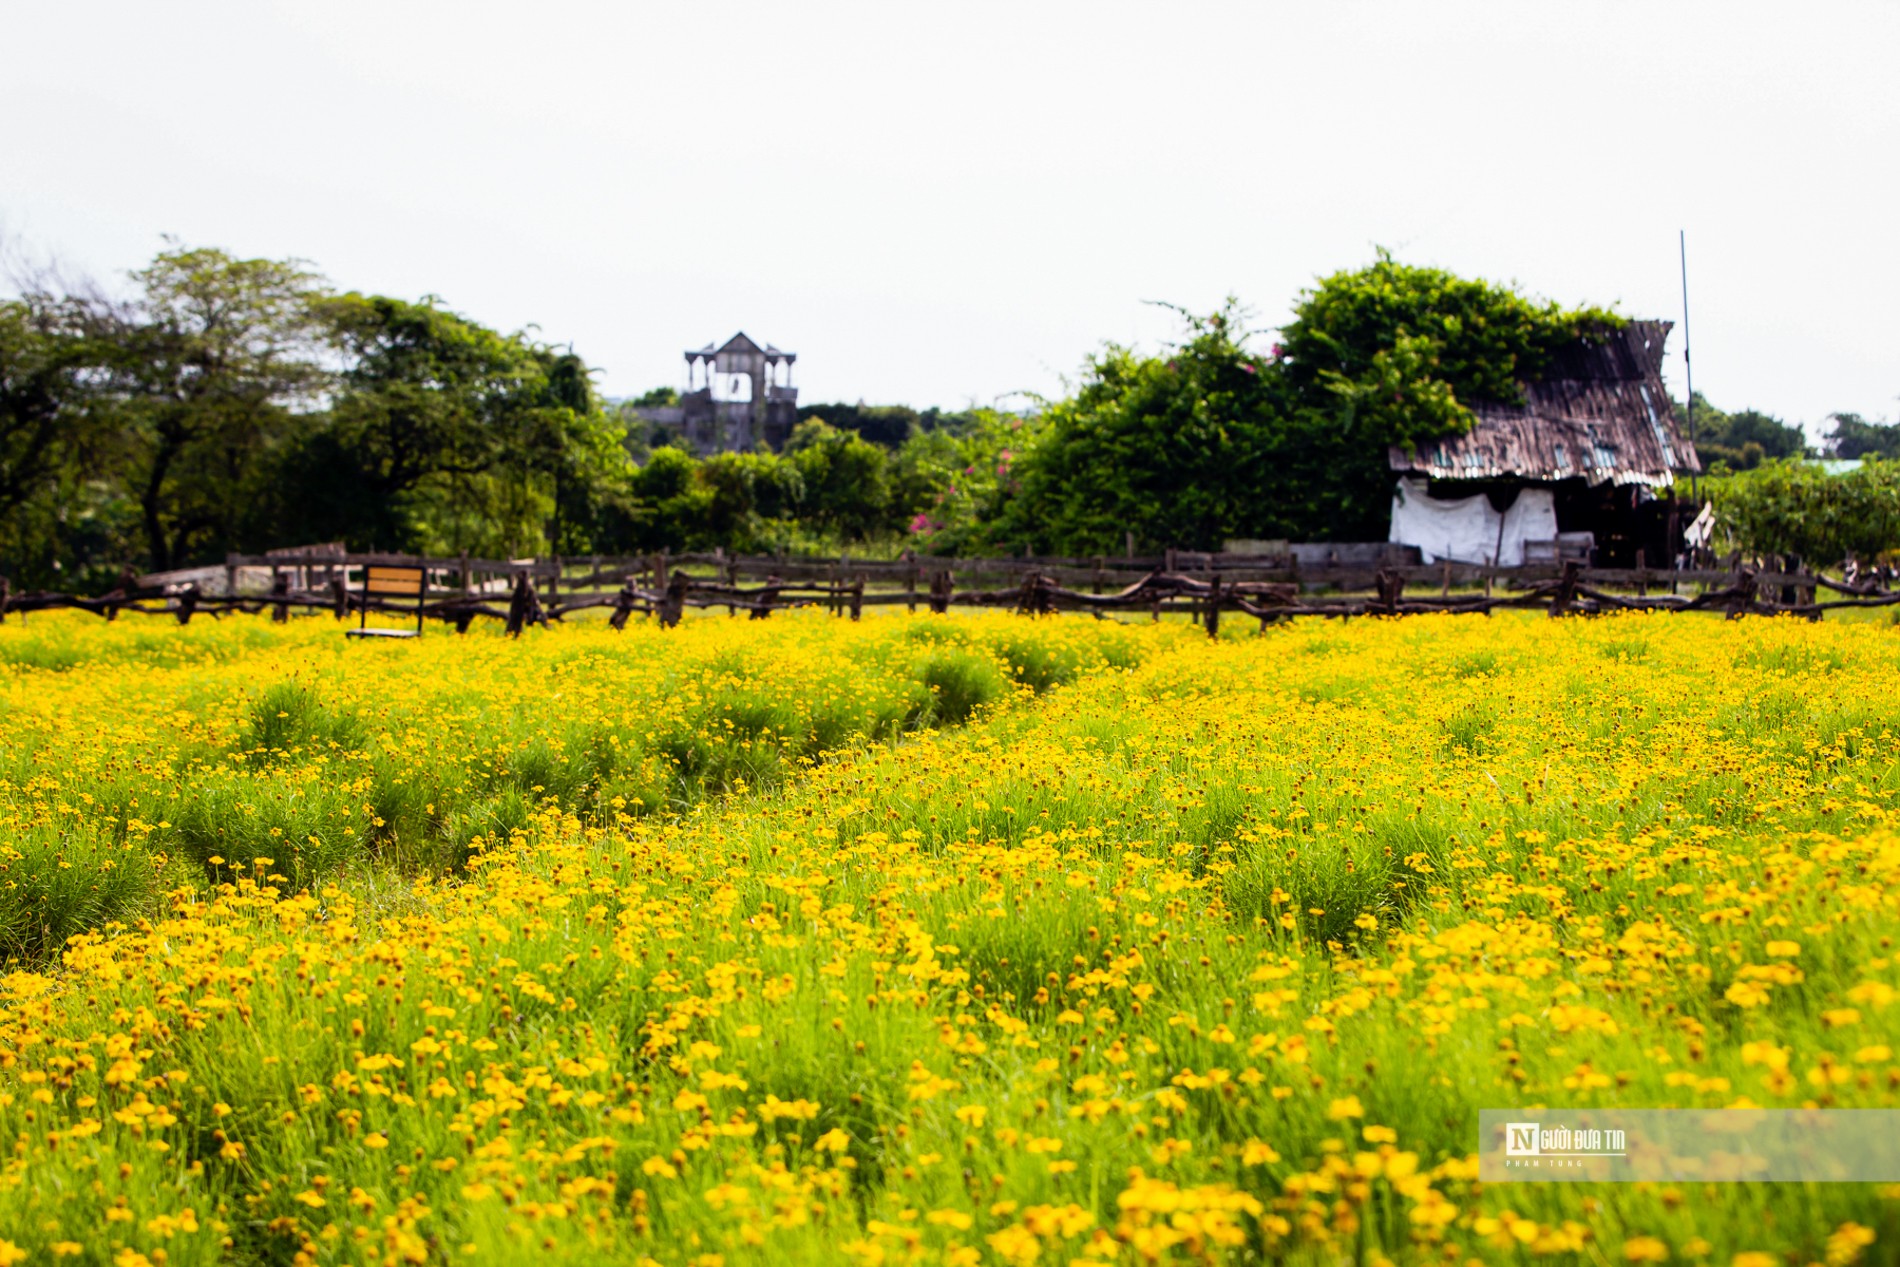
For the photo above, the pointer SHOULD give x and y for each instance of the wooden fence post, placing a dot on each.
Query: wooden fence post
(1213, 609)
(673, 603)
(857, 597)
(1791, 593)
(1742, 594)
(768, 597)
(1565, 595)
(518, 605)
(524, 607)
(187, 603)
(623, 605)
(1390, 586)
(6, 596)
(230, 576)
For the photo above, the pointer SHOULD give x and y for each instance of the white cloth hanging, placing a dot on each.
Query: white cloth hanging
(1467, 529)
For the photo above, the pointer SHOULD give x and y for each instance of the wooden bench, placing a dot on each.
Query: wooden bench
(391, 582)
(1565, 547)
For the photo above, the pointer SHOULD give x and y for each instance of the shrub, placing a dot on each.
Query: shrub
(1797, 507)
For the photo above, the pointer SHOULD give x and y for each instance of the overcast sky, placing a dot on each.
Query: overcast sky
(940, 204)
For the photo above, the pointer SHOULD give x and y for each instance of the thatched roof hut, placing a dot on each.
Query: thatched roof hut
(1601, 413)
(1584, 457)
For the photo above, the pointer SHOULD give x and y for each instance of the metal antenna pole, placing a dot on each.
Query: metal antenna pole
(1688, 371)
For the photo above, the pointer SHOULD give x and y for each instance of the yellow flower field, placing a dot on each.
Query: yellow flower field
(966, 940)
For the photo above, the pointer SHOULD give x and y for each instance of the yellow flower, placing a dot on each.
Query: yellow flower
(1845, 1244)
(1256, 1153)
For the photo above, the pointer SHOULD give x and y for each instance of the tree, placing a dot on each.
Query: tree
(1796, 507)
(847, 489)
(755, 496)
(210, 361)
(577, 447)
(887, 426)
(425, 396)
(1208, 442)
(1161, 447)
(59, 515)
(1742, 441)
(949, 482)
(45, 365)
(1409, 350)
(669, 505)
(1853, 436)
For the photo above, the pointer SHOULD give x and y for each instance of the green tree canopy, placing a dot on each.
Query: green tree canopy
(885, 425)
(1797, 507)
(445, 434)
(846, 484)
(1744, 440)
(45, 362)
(1164, 447)
(1852, 436)
(211, 359)
(1409, 350)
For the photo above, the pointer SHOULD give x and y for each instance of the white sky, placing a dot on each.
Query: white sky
(939, 204)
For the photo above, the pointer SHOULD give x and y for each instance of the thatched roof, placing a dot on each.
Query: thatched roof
(1601, 413)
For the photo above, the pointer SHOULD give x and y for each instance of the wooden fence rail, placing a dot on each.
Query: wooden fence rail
(459, 590)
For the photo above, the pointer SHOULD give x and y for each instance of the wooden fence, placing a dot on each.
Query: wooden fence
(1340, 581)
